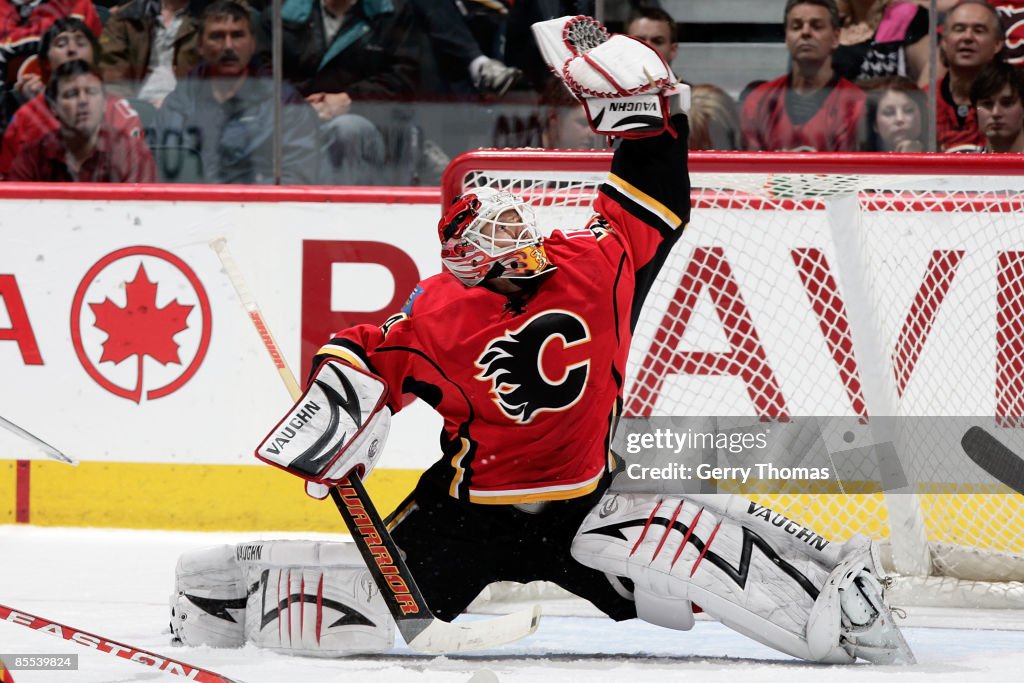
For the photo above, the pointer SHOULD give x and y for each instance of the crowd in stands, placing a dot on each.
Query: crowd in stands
(184, 90)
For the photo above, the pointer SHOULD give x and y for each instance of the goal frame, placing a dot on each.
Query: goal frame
(568, 162)
(846, 163)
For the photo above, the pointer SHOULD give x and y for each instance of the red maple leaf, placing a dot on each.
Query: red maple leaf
(140, 328)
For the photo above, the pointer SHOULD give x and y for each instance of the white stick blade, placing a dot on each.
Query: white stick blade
(442, 637)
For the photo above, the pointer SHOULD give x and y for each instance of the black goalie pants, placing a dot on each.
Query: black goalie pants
(455, 549)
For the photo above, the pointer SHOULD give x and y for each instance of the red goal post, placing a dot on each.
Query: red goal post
(848, 286)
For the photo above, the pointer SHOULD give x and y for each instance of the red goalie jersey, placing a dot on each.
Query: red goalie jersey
(530, 387)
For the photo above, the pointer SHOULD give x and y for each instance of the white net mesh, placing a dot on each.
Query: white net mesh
(843, 295)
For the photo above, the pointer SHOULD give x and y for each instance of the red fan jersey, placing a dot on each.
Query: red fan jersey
(956, 125)
(34, 119)
(530, 387)
(834, 127)
(117, 158)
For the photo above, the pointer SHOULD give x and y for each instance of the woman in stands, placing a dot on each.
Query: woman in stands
(895, 110)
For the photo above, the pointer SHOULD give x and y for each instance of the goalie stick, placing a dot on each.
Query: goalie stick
(992, 456)
(49, 450)
(112, 647)
(422, 631)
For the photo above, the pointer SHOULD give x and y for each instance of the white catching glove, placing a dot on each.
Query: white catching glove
(339, 425)
(624, 84)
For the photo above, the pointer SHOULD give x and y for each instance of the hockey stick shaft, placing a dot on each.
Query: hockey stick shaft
(379, 550)
(112, 647)
(234, 274)
(419, 627)
(991, 455)
(49, 450)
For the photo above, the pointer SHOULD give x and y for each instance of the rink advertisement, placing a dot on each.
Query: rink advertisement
(124, 345)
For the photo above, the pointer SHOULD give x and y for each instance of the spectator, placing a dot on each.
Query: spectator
(565, 124)
(72, 39)
(224, 109)
(714, 119)
(657, 28)
(882, 38)
(972, 36)
(340, 52)
(467, 40)
(998, 96)
(1012, 14)
(148, 45)
(82, 148)
(895, 109)
(66, 39)
(812, 108)
(348, 50)
(22, 25)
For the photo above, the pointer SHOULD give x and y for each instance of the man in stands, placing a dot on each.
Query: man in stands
(82, 148)
(65, 40)
(810, 109)
(997, 95)
(224, 110)
(972, 37)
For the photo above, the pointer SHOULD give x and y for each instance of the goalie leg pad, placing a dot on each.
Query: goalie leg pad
(295, 597)
(339, 425)
(752, 582)
(208, 603)
(313, 598)
(862, 618)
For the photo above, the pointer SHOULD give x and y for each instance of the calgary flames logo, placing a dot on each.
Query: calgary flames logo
(542, 366)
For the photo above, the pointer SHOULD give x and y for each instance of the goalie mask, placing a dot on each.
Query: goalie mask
(488, 234)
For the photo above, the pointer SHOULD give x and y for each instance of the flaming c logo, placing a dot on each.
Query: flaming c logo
(541, 366)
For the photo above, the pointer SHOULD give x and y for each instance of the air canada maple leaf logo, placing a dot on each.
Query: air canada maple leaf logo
(140, 328)
(147, 320)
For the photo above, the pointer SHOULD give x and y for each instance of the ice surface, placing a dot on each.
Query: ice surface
(116, 583)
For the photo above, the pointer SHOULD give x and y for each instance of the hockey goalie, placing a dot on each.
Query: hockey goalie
(520, 344)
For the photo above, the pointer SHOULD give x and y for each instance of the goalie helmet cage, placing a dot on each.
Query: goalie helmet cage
(839, 285)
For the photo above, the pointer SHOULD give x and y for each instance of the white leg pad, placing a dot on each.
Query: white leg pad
(208, 603)
(758, 581)
(295, 597)
(313, 599)
(662, 611)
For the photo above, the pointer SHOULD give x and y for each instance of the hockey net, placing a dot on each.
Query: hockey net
(839, 286)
